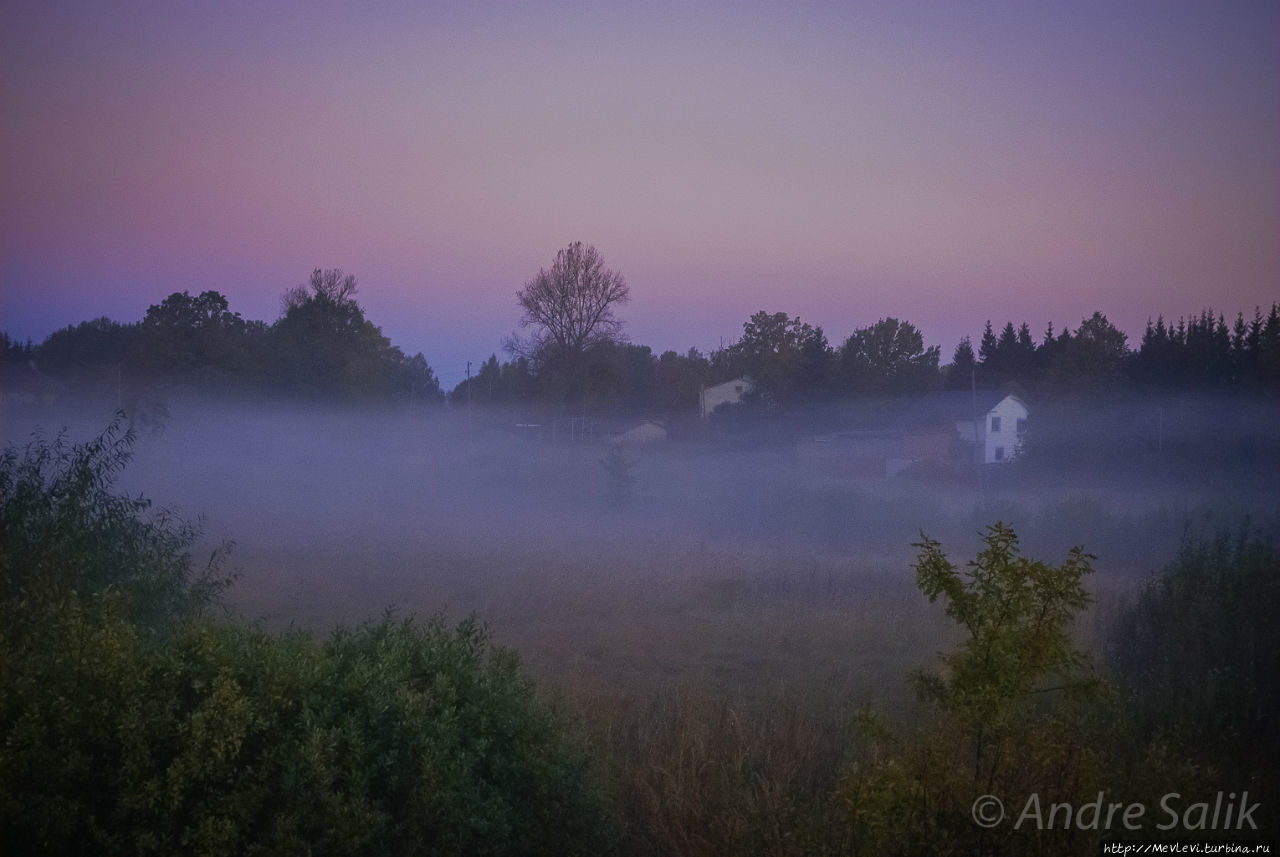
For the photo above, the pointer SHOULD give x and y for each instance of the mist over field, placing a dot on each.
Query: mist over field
(639, 430)
(339, 514)
(717, 612)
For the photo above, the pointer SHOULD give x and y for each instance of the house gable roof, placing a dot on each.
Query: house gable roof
(949, 406)
(742, 380)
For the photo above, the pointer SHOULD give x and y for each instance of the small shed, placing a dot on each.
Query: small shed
(642, 432)
(728, 393)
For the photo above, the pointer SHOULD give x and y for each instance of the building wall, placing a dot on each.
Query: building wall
(930, 450)
(730, 392)
(1003, 445)
(876, 455)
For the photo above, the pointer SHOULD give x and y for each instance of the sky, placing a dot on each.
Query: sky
(944, 163)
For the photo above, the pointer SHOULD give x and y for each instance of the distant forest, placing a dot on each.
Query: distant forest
(322, 347)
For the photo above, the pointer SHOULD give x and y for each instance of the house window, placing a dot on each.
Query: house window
(1022, 425)
(995, 425)
(999, 453)
(738, 389)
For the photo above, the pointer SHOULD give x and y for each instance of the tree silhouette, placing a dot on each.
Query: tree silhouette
(960, 374)
(889, 357)
(570, 309)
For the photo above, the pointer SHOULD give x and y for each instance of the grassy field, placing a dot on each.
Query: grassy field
(715, 636)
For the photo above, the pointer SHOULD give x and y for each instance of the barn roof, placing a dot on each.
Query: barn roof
(622, 425)
(949, 406)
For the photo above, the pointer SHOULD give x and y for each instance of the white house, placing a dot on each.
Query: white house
(728, 393)
(994, 420)
(1006, 428)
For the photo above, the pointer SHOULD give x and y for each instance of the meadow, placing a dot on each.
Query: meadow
(716, 633)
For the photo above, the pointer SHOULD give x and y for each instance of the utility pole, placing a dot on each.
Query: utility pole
(979, 439)
(470, 439)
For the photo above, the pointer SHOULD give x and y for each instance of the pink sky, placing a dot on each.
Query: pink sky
(944, 163)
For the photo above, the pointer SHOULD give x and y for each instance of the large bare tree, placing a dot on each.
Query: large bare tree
(331, 285)
(571, 309)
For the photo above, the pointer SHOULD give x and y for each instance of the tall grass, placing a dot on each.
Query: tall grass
(1197, 655)
(717, 638)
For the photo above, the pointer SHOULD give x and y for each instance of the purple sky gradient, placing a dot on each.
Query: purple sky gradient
(944, 163)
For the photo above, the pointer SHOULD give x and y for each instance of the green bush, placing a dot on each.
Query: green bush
(1008, 712)
(396, 737)
(131, 723)
(62, 528)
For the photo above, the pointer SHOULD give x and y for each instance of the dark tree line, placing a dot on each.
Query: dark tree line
(1093, 357)
(613, 377)
(1202, 353)
(792, 365)
(321, 347)
(576, 357)
(11, 349)
(790, 362)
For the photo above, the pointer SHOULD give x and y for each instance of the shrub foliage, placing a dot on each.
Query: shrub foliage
(63, 530)
(131, 722)
(1003, 717)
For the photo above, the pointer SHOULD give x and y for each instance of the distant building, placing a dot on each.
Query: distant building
(728, 393)
(994, 421)
(642, 432)
(934, 433)
(875, 454)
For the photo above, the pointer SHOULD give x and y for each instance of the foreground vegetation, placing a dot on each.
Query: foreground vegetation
(1022, 703)
(133, 719)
